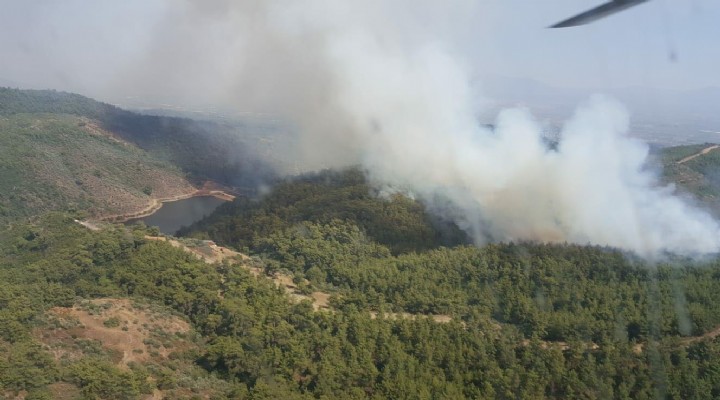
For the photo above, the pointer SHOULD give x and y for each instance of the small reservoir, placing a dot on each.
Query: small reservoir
(175, 214)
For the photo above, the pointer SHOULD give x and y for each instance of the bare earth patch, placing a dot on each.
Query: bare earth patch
(205, 250)
(92, 127)
(439, 318)
(130, 333)
(64, 391)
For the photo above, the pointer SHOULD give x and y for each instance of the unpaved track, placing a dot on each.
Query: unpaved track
(707, 335)
(696, 155)
(212, 253)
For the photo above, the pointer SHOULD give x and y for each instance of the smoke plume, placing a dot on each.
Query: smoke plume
(386, 85)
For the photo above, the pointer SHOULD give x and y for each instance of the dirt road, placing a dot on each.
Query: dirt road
(211, 253)
(696, 155)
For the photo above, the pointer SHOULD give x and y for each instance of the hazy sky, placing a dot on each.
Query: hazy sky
(104, 47)
(630, 48)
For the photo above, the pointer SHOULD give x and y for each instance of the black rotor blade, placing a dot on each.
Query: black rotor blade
(598, 12)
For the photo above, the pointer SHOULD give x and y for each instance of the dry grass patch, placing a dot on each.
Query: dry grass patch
(125, 331)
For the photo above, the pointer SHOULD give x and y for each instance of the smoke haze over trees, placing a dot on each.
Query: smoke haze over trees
(390, 87)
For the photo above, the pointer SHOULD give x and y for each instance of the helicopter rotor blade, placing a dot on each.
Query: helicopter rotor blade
(598, 12)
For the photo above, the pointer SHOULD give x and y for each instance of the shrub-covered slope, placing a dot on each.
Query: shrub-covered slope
(205, 150)
(65, 162)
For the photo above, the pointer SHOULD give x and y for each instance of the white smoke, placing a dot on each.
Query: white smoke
(395, 96)
(386, 84)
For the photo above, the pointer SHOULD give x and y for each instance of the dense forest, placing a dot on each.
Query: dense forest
(522, 320)
(387, 254)
(528, 321)
(415, 311)
(398, 222)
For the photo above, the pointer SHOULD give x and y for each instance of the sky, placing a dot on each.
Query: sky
(112, 49)
(632, 48)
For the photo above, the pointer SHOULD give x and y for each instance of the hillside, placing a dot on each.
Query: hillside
(342, 291)
(205, 150)
(63, 151)
(695, 170)
(398, 222)
(67, 162)
(123, 316)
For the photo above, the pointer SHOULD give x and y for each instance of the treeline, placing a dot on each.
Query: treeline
(256, 344)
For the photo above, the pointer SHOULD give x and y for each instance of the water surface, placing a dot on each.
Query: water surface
(175, 214)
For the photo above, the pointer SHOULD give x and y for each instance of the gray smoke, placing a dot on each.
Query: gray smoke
(387, 85)
(367, 84)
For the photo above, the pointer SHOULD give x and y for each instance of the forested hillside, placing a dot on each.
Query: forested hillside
(387, 254)
(398, 222)
(526, 321)
(414, 312)
(695, 169)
